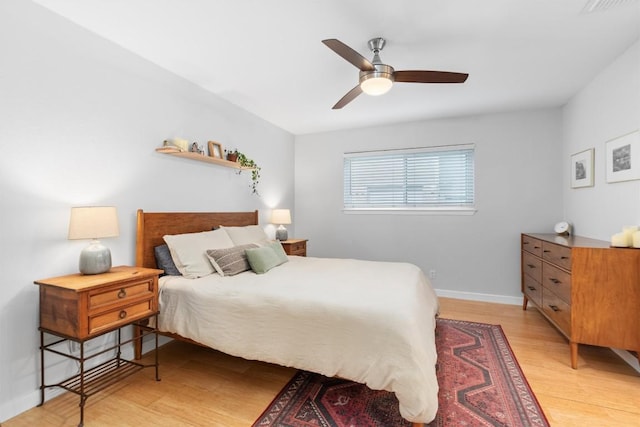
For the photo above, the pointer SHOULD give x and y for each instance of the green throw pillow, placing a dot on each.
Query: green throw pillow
(263, 259)
(279, 250)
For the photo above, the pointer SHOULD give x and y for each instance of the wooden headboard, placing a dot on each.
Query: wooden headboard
(153, 225)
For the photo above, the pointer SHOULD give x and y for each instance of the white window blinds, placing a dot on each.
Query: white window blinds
(421, 178)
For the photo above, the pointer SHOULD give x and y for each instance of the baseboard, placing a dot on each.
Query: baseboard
(500, 299)
(628, 357)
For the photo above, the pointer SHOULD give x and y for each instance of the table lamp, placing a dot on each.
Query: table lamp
(94, 222)
(281, 217)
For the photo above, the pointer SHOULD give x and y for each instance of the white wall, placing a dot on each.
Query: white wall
(606, 108)
(518, 176)
(79, 120)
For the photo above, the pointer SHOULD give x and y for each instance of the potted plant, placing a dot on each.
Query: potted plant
(232, 155)
(246, 162)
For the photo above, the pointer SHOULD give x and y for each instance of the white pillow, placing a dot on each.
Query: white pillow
(246, 235)
(189, 251)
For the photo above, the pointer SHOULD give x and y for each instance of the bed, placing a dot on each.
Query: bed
(369, 322)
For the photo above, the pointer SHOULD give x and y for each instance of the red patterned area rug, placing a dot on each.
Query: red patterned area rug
(481, 384)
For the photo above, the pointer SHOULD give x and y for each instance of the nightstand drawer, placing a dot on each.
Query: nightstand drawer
(299, 248)
(296, 247)
(120, 316)
(121, 294)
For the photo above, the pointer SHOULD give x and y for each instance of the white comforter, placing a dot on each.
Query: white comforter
(370, 322)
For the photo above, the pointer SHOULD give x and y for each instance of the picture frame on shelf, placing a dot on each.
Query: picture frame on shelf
(623, 157)
(582, 169)
(215, 150)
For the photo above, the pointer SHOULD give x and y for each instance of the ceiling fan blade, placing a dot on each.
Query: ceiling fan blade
(423, 76)
(350, 96)
(349, 54)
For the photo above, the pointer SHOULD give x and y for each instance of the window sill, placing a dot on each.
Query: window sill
(410, 211)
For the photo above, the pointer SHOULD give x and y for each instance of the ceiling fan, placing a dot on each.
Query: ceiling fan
(377, 78)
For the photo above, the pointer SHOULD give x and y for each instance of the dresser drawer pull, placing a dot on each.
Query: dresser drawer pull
(546, 251)
(123, 314)
(564, 257)
(554, 307)
(122, 293)
(525, 243)
(536, 247)
(531, 288)
(556, 281)
(531, 266)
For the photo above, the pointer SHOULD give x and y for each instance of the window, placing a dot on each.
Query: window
(419, 179)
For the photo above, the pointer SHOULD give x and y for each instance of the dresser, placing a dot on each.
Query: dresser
(588, 290)
(78, 308)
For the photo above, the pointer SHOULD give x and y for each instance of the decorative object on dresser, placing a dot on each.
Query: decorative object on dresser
(281, 217)
(562, 228)
(79, 308)
(629, 237)
(295, 246)
(94, 222)
(582, 169)
(588, 290)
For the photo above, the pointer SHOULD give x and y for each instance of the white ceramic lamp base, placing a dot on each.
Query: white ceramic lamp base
(281, 233)
(95, 258)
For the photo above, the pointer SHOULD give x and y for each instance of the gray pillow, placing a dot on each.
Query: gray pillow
(165, 262)
(230, 261)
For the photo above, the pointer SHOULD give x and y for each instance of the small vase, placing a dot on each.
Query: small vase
(232, 157)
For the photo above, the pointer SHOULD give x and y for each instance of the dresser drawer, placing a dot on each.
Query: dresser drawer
(557, 310)
(558, 281)
(532, 245)
(123, 293)
(556, 254)
(532, 266)
(120, 316)
(533, 290)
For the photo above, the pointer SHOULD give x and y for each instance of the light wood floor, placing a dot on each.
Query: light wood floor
(201, 387)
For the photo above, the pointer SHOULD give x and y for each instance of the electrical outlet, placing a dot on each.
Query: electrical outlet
(432, 274)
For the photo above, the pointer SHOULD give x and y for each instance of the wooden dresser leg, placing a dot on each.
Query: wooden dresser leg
(525, 302)
(573, 346)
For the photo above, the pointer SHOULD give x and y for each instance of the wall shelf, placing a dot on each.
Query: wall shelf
(201, 158)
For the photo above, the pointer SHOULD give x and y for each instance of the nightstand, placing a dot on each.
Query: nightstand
(295, 246)
(81, 307)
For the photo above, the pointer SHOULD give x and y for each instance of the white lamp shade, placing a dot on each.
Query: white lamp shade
(281, 216)
(93, 222)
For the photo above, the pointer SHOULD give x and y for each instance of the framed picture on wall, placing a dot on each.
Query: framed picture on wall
(623, 157)
(215, 150)
(582, 169)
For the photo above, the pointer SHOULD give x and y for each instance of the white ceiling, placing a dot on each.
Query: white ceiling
(266, 56)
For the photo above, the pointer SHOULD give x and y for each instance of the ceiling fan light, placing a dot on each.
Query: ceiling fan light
(376, 85)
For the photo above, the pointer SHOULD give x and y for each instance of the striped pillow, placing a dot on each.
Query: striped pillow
(230, 261)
